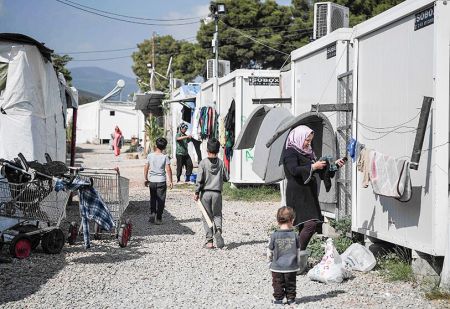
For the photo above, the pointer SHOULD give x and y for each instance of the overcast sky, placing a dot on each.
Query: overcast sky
(67, 29)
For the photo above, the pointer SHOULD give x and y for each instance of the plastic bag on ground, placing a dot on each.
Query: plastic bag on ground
(359, 258)
(302, 258)
(331, 269)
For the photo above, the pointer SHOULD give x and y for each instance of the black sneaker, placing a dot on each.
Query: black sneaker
(152, 217)
(277, 302)
(219, 239)
(291, 301)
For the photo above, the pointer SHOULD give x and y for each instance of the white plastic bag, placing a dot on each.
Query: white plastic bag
(359, 258)
(330, 269)
(302, 258)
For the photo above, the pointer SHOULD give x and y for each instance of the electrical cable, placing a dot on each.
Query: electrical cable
(113, 50)
(255, 40)
(133, 17)
(113, 58)
(96, 51)
(124, 20)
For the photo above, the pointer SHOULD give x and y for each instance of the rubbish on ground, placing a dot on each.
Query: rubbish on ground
(331, 268)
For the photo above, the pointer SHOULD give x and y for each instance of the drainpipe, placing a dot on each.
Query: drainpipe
(420, 133)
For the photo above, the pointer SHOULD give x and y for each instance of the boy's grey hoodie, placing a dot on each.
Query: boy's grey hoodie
(211, 175)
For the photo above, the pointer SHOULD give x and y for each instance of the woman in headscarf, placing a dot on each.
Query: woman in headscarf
(300, 165)
(117, 144)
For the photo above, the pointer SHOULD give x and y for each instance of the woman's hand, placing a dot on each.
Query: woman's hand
(319, 165)
(340, 162)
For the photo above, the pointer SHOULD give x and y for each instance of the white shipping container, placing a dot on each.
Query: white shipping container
(317, 70)
(401, 56)
(245, 87)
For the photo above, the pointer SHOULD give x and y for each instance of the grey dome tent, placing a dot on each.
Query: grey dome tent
(267, 129)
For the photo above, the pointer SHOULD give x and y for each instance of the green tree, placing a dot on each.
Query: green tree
(187, 62)
(59, 62)
(266, 22)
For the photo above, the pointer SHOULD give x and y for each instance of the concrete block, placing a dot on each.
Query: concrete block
(329, 231)
(426, 268)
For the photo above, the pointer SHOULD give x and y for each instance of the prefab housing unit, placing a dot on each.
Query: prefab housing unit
(97, 120)
(400, 56)
(249, 89)
(322, 74)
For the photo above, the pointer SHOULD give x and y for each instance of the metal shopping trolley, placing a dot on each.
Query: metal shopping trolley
(31, 210)
(114, 189)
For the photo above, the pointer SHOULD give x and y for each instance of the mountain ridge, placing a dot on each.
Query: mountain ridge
(99, 81)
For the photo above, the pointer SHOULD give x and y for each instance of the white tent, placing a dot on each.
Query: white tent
(32, 112)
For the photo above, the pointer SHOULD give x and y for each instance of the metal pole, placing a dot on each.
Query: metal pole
(216, 62)
(73, 137)
(216, 45)
(152, 76)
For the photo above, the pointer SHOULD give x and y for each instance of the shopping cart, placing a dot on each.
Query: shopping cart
(31, 210)
(114, 190)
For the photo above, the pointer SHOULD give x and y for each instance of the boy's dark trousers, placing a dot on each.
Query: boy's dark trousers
(284, 284)
(157, 198)
(184, 160)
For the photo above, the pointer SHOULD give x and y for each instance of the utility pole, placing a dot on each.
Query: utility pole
(216, 9)
(216, 45)
(153, 67)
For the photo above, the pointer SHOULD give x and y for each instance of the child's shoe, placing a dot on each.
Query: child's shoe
(277, 302)
(291, 301)
(208, 245)
(152, 218)
(219, 239)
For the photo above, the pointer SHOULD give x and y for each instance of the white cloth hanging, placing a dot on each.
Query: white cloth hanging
(390, 176)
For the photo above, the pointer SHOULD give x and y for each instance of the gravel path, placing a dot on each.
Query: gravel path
(164, 266)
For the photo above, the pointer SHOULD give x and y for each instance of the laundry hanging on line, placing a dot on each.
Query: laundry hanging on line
(229, 125)
(388, 176)
(208, 123)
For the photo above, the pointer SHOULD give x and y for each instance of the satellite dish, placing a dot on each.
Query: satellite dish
(120, 83)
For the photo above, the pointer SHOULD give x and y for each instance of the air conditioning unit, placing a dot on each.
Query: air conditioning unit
(177, 83)
(224, 68)
(329, 16)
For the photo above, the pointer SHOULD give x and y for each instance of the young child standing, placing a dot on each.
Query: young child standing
(282, 254)
(210, 177)
(159, 165)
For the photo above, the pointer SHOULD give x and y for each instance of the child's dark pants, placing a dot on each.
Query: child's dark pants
(284, 284)
(157, 198)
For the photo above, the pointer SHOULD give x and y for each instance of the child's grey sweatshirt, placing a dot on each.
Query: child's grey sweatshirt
(211, 175)
(283, 250)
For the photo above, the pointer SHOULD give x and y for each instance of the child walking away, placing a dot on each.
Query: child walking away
(210, 177)
(282, 255)
(159, 166)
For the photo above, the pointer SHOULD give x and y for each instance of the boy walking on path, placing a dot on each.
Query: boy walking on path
(282, 255)
(159, 165)
(210, 177)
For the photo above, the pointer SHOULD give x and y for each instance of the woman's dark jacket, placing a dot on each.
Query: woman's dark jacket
(302, 197)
